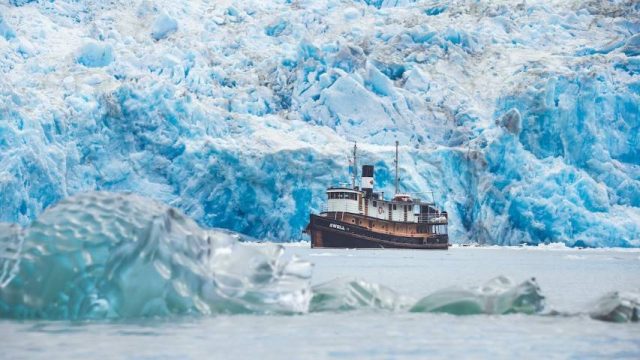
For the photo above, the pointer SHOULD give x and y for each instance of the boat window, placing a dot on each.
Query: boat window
(375, 204)
(394, 206)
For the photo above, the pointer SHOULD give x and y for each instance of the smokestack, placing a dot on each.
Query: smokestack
(367, 179)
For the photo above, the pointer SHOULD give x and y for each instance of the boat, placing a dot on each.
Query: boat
(358, 217)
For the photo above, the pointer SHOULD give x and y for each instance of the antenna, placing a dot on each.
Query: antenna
(396, 167)
(355, 165)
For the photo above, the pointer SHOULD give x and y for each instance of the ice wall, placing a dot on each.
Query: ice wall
(523, 117)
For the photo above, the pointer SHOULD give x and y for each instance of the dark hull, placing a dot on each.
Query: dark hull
(330, 233)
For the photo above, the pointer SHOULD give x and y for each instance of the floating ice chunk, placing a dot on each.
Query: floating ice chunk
(163, 26)
(94, 54)
(497, 296)
(352, 294)
(617, 307)
(106, 255)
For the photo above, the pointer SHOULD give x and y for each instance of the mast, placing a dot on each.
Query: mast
(396, 167)
(355, 165)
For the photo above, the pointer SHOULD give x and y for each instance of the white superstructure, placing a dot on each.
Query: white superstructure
(344, 200)
(401, 208)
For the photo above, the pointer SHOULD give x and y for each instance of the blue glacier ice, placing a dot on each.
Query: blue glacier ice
(5, 30)
(95, 55)
(163, 26)
(522, 117)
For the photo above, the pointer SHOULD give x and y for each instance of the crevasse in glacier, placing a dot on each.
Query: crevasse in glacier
(523, 117)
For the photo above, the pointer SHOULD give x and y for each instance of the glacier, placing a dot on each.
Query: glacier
(523, 118)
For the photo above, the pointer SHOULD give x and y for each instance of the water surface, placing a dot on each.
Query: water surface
(570, 279)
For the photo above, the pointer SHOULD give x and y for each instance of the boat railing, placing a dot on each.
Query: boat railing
(430, 218)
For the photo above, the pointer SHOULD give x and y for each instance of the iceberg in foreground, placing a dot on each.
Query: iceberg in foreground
(105, 255)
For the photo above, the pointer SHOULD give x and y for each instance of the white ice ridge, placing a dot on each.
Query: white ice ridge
(523, 116)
